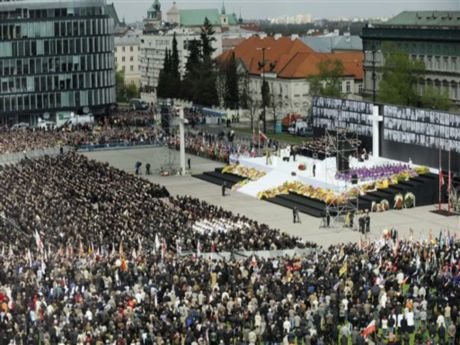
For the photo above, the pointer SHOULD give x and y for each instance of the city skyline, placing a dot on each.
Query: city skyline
(135, 10)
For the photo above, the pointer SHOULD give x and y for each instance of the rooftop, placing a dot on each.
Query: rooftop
(323, 44)
(130, 38)
(290, 58)
(425, 18)
(44, 4)
(196, 17)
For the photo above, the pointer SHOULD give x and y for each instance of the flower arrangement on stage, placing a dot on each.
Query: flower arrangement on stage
(402, 171)
(382, 206)
(239, 170)
(422, 170)
(324, 195)
(398, 201)
(240, 184)
(385, 204)
(409, 200)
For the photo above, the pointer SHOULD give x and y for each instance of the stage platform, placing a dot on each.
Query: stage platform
(424, 187)
(326, 170)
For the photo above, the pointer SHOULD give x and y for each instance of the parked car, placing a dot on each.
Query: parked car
(138, 104)
(48, 125)
(20, 125)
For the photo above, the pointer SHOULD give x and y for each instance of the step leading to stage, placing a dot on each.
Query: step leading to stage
(271, 180)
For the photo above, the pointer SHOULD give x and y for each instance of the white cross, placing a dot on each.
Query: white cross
(376, 118)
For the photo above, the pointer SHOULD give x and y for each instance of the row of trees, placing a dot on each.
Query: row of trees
(199, 81)
(398, 85)
(400, 79)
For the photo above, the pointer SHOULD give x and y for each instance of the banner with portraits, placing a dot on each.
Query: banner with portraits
(334, 113)
(423, 127)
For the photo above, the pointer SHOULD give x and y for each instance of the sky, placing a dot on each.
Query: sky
(134, 10)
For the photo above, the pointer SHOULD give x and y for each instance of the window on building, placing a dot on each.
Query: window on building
(348, 87)
(123, 49)
(131, 68)
(360, 89)
(131, 59)
(131, 49)
(123, 59)
(437, 64)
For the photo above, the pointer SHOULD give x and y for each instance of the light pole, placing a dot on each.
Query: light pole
(262, 66)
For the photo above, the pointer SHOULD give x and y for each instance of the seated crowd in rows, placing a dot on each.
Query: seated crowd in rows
(80, 196)
(94, 255)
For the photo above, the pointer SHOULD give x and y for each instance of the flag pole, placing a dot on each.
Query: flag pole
(440, 178)
(449, 185)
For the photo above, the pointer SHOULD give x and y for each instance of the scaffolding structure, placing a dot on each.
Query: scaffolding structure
(170, 164)
(340, 143)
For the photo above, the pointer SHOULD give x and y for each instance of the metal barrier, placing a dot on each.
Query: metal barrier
(118, 146)
(266, 254)
(16, 157)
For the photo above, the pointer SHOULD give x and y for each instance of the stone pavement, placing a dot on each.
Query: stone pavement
(420, 219)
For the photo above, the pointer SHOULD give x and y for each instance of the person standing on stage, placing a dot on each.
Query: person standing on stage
(224, 187)
(295, 215)
(293, 152)
(367, 220)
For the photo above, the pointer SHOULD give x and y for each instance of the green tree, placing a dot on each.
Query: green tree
(265, 91)
(207, 76)
(164, 79)
(192, 67)
(433, 99)
(175, 81)
(120, 86)
(132, 91)
(328, 80)
(231, 93)
(207, 40)
(174, 63)
(400, 77)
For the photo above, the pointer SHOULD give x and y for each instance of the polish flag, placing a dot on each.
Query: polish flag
(262, 136)
(371, 328)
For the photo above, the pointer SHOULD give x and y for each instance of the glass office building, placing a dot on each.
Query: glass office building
(56, 58)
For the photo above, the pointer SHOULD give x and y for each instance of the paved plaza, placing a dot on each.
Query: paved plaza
(420, 219)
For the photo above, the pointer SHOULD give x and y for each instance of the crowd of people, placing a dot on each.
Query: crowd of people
(124, 127)
(94, 255)
(215, 146)
(12, 141)
(66, 196)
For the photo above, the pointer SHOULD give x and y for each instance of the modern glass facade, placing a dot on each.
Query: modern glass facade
(55, 58)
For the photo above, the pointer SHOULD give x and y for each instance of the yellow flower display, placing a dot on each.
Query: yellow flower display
(239, 170)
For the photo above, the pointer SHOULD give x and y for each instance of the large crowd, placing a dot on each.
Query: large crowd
(66, 196)
(25, 140)
(94, 255)
(223, 147)
(122, 127)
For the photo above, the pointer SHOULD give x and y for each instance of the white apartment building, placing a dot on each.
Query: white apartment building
(127, 56)
(153, 47)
